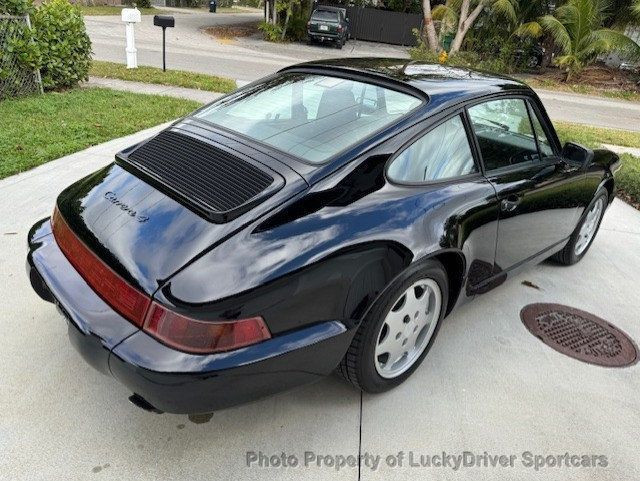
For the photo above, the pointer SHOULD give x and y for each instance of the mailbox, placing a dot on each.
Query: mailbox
(164, 21)
(131, 15)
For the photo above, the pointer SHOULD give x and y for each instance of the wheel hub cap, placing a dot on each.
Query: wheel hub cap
(589, 227)
(407, 328)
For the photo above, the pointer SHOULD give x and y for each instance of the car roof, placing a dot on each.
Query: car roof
(443, 84)
(323, 8)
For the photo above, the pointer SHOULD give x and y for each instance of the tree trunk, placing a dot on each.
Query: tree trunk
(429, 29)
(548, 45)
(286, 23)
(465, 22)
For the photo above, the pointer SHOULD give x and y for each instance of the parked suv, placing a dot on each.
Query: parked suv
(328, 24)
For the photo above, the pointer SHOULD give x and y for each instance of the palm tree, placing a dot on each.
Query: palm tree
(577, 29)
(460, 15)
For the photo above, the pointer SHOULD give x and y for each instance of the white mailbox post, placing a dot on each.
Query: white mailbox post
(131, 16)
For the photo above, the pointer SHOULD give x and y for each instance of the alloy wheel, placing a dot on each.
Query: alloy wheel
(407, 328)
(589, 227)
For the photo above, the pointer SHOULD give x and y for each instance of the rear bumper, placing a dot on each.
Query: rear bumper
(170, 380)
(323, 36)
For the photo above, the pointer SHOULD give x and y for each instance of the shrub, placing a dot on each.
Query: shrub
(63, 42)
(16, 7)
(500, 62)
(271, 33)
(19, 54)
(139, 3)
(297, 28)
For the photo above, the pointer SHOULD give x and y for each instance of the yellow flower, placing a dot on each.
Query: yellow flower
(442, 58)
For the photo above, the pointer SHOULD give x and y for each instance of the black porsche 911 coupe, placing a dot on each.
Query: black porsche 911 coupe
(325, 218)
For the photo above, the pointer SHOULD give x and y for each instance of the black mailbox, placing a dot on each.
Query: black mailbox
(164, 21)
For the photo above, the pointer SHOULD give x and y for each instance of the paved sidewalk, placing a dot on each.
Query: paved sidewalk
(619, 149)
(591, 110)
(202, 96)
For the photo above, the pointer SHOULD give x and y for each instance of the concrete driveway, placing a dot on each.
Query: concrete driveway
(487, 385)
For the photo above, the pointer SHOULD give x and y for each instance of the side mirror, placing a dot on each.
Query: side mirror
(577, 153)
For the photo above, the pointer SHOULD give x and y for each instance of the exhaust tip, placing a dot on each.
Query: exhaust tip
(142, 403)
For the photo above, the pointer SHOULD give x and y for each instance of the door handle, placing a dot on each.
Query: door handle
(510, 203)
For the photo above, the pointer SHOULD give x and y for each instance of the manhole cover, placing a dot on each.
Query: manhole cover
(579, 334)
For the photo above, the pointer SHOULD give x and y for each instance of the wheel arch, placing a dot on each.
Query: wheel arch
(454, 263)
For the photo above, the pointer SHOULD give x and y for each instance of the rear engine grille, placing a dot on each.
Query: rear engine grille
(216, 181)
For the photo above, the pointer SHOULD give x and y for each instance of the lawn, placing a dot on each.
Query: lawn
(628, 177)
(153, 75)
(547, 84)
(112, 10)
(37, 129)
(594, 136)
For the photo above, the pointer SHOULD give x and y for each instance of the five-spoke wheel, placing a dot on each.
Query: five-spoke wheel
(407, 328)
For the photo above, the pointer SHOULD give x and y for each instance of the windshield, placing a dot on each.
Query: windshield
(310, 116)
(325, 15)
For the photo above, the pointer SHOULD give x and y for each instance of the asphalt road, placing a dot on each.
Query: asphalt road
(189, 48)
(247, 59)
(487, 384)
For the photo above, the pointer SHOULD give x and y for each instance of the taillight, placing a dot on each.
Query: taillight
(175, 330)
(115, 291)
(193, 335)
(339, 28)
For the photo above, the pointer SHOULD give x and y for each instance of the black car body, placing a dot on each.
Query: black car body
(298, 251)
(328, 24)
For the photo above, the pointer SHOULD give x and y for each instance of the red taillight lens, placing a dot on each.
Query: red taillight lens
(339, 28)
(192, 335)
(115, 291)
(175, 330)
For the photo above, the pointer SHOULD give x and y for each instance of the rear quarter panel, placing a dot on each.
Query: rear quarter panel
(331, 251)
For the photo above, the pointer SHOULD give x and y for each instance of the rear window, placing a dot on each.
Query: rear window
(325, 16)
(312, 117)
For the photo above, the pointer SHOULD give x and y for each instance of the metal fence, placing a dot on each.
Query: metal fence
(376, 25)
(15, 78)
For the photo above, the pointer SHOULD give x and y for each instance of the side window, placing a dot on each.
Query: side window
(543, 141)
(441, 153)
(504, 133)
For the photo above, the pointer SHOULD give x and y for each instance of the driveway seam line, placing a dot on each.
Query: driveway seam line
(360, 440)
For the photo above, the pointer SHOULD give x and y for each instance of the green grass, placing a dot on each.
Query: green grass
(582, 89)
(628, 177)
(153, 75)
(37, 129)
(111, 10)
(594, 136)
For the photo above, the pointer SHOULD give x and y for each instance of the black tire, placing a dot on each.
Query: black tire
(358, 366)
(339, 44)
(567, 255)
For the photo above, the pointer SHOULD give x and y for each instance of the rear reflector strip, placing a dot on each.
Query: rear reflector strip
(123, 298)
(173, 329)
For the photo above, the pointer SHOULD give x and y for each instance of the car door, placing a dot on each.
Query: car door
(537, 190)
